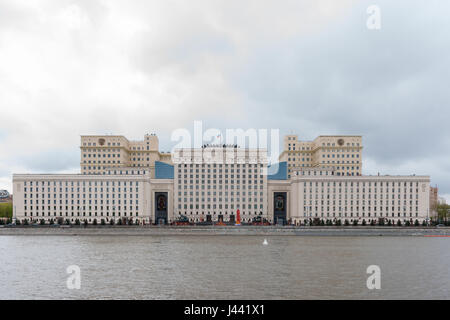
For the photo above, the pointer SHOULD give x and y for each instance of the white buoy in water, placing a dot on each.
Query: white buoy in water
(265, 243)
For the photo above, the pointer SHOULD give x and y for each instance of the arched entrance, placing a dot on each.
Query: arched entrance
(161, 208)
(279, 208)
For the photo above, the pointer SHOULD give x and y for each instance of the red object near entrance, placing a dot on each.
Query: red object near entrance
(238, 218)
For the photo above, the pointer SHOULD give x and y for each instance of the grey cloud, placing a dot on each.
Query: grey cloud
(49, 161)
(388, 86)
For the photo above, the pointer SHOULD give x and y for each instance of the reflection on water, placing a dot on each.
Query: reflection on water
(223, 267)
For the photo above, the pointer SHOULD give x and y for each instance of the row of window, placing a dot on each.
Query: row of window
(220, 193)
(340, 155)
(375, 202)
(220, 199)
(332, 144)
(325, 144)
(220, 171)
(369, 214)
(99, 162)
(55, 195)
(326, 149)
(78, 214)
(219, 206)
(340, 162)
(316, 190)
(222, 176)
(302, 149)
(220, 165)
(357, 196)
(302, 159)
(214, 182)
(80, 183)
(214, 213)
(94, 144)
(78, 189)
(121, 172)
(43, 208)
(363, 209)
(103, 155)
(78, 201)
(361, 184)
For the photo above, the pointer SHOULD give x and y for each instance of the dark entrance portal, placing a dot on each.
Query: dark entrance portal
(279, 208)
(161, 208)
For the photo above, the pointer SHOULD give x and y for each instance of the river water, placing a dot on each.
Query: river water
(223, 267)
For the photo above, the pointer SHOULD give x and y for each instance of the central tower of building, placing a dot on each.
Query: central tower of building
(212, 182)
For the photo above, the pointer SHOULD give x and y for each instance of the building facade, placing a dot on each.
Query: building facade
(101, 153)
(342, 152)
(83, 197)
(125, 180)
(320, 194)
(217, 191)
(213, 182)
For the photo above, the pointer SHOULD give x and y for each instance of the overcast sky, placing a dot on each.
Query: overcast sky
(69, 68)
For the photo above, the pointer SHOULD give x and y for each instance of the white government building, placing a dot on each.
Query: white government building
(210, 184)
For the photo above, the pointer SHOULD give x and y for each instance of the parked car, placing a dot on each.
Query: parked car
(440, 225)
(182, 221)
(260, 221)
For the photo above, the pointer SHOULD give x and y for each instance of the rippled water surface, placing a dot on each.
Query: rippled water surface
(223, 267)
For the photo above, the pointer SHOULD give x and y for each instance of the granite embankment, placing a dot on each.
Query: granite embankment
(222, 230)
